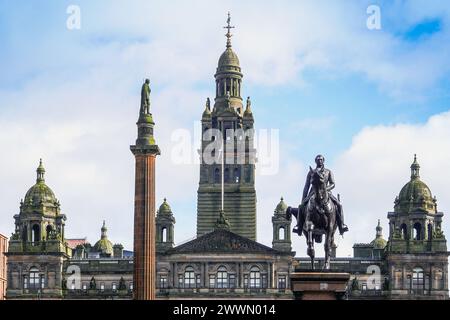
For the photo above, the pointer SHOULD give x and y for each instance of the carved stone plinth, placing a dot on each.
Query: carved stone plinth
(319, 285)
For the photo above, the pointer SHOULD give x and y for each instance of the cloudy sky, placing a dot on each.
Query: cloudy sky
(368, 99)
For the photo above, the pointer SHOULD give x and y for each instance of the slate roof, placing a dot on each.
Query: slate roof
(222, 241)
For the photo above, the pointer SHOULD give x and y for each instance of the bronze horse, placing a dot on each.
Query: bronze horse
(319, 216)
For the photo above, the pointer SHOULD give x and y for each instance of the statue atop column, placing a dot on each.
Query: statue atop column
(145, 97)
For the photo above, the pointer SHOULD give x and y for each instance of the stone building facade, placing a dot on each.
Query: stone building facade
(223, 264)
(224, 260)
(3, 272)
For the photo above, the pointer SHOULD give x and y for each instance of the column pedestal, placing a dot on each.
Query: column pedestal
(319, 285)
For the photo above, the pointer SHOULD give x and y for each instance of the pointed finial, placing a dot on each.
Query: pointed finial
(40, 172)
(208, 104)
(104, 229)
(229, 27)
(415, 167)
(379, 230)
(282, 198)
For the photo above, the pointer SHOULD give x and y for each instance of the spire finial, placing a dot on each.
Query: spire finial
(415, 167)
(40, 172)
(229, 27)
(104, 229)
(379, 230)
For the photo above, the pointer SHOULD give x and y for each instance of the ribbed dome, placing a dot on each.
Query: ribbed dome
(415, 189)
(40, 193)
(228, 59)
(415, 195)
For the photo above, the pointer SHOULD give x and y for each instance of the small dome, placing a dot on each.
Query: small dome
(165, 208)
(40, 193)
(379, 242)
(104, 246)
(228, 59)
(281, 207)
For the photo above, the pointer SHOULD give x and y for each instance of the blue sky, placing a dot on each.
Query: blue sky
(312, 68)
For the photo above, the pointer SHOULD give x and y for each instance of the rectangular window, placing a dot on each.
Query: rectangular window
(84, 286)
(246, 281)
(232, 281)
(163, 282)
(212, 281)
(282, 282)
(114, 287)
(180, 281)
(102, 287)
(131, 286)
(264, 281)
(198, 281)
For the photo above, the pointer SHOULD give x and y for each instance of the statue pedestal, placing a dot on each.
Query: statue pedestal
(311, 285)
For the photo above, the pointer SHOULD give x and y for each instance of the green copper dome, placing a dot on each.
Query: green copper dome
(40, 193)
(415, 195)
(379, 242)
(104, 246)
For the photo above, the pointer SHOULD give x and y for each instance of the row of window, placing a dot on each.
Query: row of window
(231, 176)
(222, 280)
(114, 286)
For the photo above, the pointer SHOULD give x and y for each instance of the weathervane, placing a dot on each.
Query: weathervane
(229, 27)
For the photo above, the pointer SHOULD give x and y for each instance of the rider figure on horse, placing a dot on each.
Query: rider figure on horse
(308, 192)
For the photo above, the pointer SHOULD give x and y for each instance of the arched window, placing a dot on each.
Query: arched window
(281, 233)
(222, 277)
(417, 281)
(217, 175)
(36, 234)
(189, 277)
(48, 230)
(34, 278)
(164, 234)
(404, 231)
(255, 277)
(417, 231)
(237, 175)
